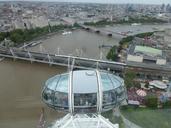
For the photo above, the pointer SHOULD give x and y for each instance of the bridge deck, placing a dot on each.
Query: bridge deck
(61, 60)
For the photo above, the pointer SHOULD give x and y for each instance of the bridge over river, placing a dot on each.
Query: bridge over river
(84, 63)
(62, 60)
(105, 32)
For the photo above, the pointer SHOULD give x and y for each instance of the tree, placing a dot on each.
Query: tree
(112, 54)
(16, 37)
(20, 36)
(126, 40)
(151, 101)
(137, 84)
(146, 85)
(166, 104)
(129, 78)
(76, 25)
(1, 38)
(3, 35)
(142, 35)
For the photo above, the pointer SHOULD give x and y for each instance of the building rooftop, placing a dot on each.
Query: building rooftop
(148, 50)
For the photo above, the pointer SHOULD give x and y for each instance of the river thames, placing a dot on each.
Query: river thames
(78, 43)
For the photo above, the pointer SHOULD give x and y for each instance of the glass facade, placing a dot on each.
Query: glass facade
(113, 90)
(85, 90)
(85, 102)
(55, 93)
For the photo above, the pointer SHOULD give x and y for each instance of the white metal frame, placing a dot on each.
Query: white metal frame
(84, 121)
(70, 97)
(99, 93)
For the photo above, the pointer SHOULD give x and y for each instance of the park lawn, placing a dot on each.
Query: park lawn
(148, 118)
(115, 120)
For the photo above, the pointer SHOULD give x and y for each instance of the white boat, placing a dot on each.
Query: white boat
(66, 33)
(36, 43)
(135, 24)
(33, 44)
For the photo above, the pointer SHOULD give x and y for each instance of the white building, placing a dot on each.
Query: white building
(144, 54)
(40, 21)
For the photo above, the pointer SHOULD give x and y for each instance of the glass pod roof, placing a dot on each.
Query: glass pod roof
(84, 81)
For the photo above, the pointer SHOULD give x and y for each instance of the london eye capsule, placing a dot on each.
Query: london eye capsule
(84, 91)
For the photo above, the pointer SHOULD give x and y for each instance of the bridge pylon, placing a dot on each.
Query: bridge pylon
(13, 54)
(50, 60)
(97, 65)
(30, 56)
(71, 63)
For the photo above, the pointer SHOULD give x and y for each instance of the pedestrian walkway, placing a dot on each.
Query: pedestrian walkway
(127, 123)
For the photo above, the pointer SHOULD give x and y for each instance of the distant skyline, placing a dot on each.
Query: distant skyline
(107, 1)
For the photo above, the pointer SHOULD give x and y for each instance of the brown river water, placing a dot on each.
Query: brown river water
(21, 84)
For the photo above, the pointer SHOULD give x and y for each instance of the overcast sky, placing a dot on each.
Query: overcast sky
(109, 1)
